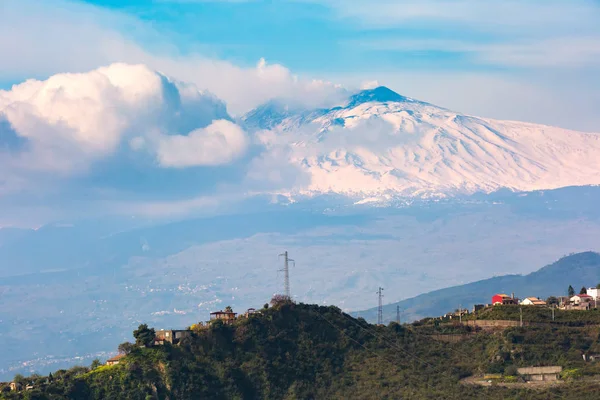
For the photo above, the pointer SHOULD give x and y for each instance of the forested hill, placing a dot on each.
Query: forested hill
(581, 269)
(297, 351)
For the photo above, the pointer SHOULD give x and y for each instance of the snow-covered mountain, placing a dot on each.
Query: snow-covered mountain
(382, 145)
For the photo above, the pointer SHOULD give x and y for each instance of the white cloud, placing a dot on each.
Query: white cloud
(219, 143)
(369, 85)
(245, 88)
(71, 120)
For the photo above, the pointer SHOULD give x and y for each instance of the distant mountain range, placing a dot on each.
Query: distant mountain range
(380, 145)
(578, 270)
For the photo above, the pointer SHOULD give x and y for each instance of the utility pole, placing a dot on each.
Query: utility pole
(286, 274)
(552, 312)
(460, 313)
(380, 307)
(521, 316)
(398, 315)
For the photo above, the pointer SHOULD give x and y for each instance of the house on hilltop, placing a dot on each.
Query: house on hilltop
(533, 301)
(227, 316)
(503, 299)
(579, 302)
(171, 336)
(578, 299)
(115, 360)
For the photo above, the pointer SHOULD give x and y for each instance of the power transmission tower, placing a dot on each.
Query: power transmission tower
(286, 273)
(380, 307)
(398, 315)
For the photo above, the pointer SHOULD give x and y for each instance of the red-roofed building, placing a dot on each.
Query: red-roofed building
(581, 298)
(504, 299)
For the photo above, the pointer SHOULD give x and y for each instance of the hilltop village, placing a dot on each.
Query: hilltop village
(587, 299)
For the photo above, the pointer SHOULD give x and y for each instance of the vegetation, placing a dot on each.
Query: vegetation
(571, 291)
(298, 351)
(144, 336)
(532, 314)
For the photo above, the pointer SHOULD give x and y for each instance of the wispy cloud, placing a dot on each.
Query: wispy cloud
(546, 53)
(560, 16)
(525, 33)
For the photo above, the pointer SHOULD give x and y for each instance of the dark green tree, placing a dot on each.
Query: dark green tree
(511, 370)
(598, 286)
(583, 290)
(144, 336)
(571, 291)
(95, 364)
(125, 348)
(19, 379)
(228, 309)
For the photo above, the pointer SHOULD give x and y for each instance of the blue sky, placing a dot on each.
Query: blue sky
(527, 60)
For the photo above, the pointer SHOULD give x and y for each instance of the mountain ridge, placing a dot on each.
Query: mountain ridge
(580, 269)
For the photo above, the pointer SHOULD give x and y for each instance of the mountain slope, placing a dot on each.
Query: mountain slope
(383, 144)
(582, 269)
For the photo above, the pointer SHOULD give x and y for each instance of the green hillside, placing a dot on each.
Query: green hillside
(298, 351)
(581, 269)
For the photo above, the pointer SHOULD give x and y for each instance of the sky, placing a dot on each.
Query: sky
(526, 60)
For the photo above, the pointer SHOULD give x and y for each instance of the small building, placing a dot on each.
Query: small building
(249, 312)
(503, 299)
(14, 386)
(533, 301)
(478, 307)
(228, 317)
(540, 373)
(172, 336)
(115, 360)
(578, 299)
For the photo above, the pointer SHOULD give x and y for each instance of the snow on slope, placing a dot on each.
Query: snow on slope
(381, 145)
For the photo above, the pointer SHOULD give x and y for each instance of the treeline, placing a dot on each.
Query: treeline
(298, 351)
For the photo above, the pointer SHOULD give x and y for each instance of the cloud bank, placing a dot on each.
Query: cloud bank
(71, 120)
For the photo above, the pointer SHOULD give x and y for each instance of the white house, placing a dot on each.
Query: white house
(533, 301)
(593, 292)
(581, 298)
